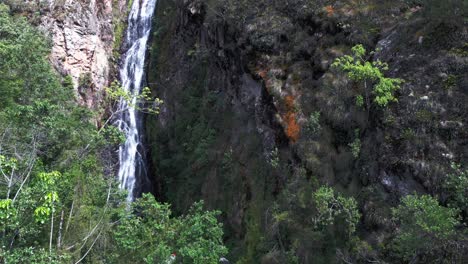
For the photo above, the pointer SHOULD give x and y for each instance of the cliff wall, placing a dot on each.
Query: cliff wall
(85, 37)
(255, 118)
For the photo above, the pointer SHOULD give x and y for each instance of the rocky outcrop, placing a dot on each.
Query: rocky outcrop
(255, 117)
(82, 34)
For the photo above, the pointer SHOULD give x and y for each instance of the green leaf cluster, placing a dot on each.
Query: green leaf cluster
(358, 69)
(143, 102)
(148, 233)
(330, 207)
(424, 226)
(34, 255)
(456, 187)
(7, 211)
(313, 123)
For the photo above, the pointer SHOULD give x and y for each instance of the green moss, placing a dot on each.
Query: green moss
(162, 35)
(67, 82)
(255, 241)
(408, 134)
(119, 31)
(356, 144)
(462, 51)
(389, 118)
(85, 80)
(424, 116)
(450, 82)
(119, 25)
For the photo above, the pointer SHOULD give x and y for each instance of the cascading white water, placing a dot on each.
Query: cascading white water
(132, 164)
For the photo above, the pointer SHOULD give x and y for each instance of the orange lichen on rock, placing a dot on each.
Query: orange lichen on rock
(289, 102)
(262, 73)
(292, 127)
(330, 10)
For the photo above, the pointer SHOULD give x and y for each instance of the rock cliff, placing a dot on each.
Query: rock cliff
(84, 35)
(255, 116)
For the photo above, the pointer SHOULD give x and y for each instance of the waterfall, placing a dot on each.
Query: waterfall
(132, 168)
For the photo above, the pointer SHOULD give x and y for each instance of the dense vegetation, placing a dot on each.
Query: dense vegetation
(57, 204)
(292, 171)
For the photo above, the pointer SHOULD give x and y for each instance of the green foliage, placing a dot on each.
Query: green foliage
(456, 186)
(200, 236)
(359, 100)
(120, 25)
(67, 82)
(424, 226)
(273, 158)
(48, 115)
(228, 159)
(359, 70)
(460, 51)
(355, 147)
(356, 144)
(47, 183)
(450, 82)
(7, 211)
(184, 149)
(384, 90)
(408, 134)
(151, 234)
(59, 207)
(309, 223)
(330, 207)
(34, 255)
(143, 102)
(149, 228)
(313, 123)
(85, 80)
(254, 238)
(113, 135)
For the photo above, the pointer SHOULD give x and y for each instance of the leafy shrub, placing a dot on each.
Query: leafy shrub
(149, 234)
(425, 227)
(313, 123)
(369, 73)
(34, 255)
(273, 158)
(330, 207)
(356, 144)
(456, 186)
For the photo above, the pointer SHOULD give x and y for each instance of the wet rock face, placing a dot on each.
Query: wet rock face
(82, 42)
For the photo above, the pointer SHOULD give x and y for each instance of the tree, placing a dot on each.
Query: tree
(332, 207)
(51, 181)
(149, 233)
(308, 224)
(369, 74)
(143, 102)
(456, 189)
(200, 236)
(426, 230)
(56, 203)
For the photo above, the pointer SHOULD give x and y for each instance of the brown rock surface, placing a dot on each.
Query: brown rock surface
(82, 42)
